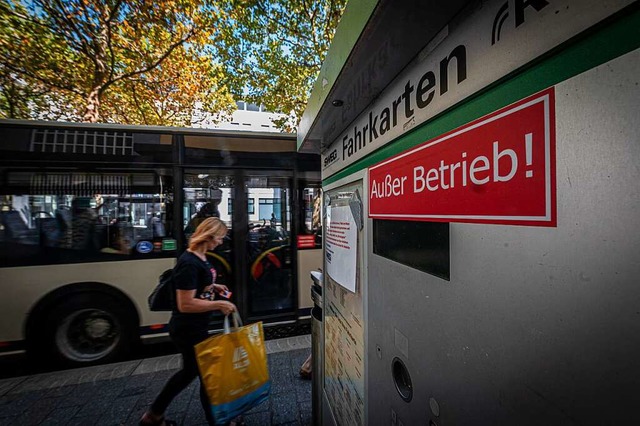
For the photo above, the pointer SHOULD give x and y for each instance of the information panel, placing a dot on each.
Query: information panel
(344, 323)
(340, 246)
(497, 169)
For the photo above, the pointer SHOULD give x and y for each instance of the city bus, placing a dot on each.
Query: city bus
(92, 214)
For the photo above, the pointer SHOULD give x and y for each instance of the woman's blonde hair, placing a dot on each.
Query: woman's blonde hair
(208, 228)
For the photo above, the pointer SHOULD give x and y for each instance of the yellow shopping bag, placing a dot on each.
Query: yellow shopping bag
(233, 367)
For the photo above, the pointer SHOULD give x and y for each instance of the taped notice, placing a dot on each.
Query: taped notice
(340, 247)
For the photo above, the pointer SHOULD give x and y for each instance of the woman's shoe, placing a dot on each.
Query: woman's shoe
(148, 420)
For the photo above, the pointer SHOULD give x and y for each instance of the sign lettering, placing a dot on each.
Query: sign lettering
(497, 169)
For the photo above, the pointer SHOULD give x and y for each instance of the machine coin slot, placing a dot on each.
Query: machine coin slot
(402, 379)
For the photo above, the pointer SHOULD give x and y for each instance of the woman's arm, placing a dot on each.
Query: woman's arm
(187, 302)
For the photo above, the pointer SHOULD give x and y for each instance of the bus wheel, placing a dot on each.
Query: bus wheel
(89, 329)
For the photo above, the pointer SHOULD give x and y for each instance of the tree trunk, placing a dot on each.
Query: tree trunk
(92, 110)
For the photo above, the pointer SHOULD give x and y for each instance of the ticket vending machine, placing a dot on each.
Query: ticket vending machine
(494, 277)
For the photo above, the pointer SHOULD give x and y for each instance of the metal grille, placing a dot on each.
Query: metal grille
(79, 184)
(82, 142)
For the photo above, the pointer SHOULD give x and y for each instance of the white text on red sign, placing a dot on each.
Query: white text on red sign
(497, 169)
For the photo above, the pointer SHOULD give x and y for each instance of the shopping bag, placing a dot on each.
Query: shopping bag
(233, 368)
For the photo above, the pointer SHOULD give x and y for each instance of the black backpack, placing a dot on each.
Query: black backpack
(162, 298)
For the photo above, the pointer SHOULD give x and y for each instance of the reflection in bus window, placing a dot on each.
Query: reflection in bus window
(81, 217)
(313, 214)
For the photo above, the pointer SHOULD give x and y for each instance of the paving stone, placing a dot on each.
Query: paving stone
(135, 415)
(13, 405)
(83, 421)
(282, 382)
(194, 413)
(38, 411)
(298, 357)
(6, 385)
(263, 406)
(284, 409)
(60, 416)
(119, 395)
(60, 391)
(258, 419)
(119, 411)
(305, 413)
(152, 365)
(302, 389)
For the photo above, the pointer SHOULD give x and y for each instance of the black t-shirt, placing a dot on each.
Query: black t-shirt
(192, 273)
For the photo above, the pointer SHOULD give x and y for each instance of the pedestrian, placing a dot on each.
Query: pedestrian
(193, 278)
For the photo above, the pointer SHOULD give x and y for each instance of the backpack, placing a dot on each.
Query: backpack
(162, 298)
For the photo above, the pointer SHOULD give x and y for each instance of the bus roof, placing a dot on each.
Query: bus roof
(148, 129)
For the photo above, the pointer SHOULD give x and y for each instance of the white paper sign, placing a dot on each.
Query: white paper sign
(340, 247)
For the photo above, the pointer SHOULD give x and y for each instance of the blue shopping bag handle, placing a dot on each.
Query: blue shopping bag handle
(237, 322)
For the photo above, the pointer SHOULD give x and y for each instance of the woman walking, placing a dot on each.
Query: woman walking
(193, 276)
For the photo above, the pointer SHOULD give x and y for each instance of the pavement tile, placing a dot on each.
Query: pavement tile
(284, 409)
(282, 382)
(298, 357)
(262, 407)
(60, 391)
(119, 395)
(258, 419)
(13, 405)
(96, 406)
(194, 413)
(38, 411)
(302, 389)
(118, 411)
(60, 416)
(6, 385)
(152, 365)
(305, 413)
(83, 421)
(278, 361)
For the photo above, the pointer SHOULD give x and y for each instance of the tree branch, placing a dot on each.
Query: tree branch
(157, 62)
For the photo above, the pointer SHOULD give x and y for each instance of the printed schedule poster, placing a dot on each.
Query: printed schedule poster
(340, 247)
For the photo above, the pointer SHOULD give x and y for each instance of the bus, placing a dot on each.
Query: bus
(92, 214)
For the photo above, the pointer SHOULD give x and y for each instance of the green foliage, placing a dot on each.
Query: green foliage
(272, 50)
(131, 61)
(155, 62)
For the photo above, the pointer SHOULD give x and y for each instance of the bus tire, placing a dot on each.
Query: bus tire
(87, 329)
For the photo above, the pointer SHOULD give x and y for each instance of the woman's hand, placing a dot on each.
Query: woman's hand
(226, 307)
(187, 302)
(218, 288)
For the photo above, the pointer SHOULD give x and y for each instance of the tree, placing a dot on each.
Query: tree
(81, 53)
(272, 50)
(171, 94)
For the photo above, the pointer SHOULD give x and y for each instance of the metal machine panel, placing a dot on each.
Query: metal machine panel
(536, 325)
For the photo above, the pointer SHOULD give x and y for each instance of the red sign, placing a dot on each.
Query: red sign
(306, 241)
(497, 169)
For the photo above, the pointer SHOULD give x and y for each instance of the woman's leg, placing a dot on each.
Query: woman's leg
(179, 381)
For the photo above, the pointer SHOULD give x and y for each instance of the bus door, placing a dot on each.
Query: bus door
(256, 259)
(269, 261)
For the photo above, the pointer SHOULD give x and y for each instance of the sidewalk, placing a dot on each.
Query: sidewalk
(118, 394)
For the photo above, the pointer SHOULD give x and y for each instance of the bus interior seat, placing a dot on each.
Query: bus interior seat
(17, 230)
(50, 232)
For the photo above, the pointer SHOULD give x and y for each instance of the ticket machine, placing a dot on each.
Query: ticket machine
(481, 215)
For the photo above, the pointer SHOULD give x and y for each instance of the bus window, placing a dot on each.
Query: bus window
(312, 217)
(81, 217)
(208, 195)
